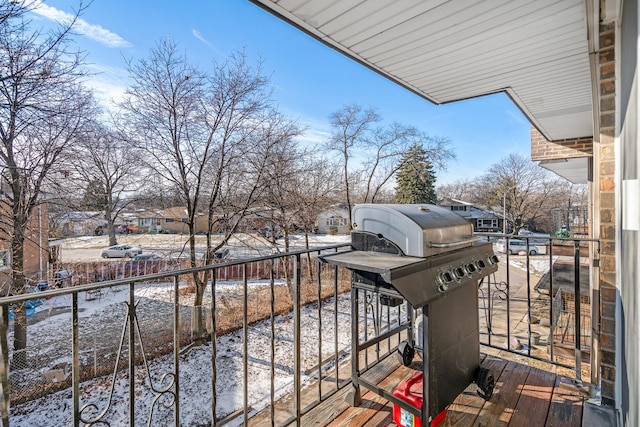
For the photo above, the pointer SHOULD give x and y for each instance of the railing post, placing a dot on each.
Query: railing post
(551, 301)
(595, 315)
(296, 339)
(576, 277)
(272, 347)
(176, 346)
(528, 299)
(335, 325)
(75, 350)
(319, 330)
(245, 346)
(132, 355)
(214, 350)
(4, 365)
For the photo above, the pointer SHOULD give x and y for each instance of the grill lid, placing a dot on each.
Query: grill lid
(418, 230)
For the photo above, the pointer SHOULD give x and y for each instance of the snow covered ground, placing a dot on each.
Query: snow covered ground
(101, 322)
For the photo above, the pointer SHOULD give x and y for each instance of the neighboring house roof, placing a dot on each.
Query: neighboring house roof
(79, 216)
(473, 211)
(335, 210)
(174, 212)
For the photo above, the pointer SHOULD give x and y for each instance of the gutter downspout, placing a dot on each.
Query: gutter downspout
(593, 31)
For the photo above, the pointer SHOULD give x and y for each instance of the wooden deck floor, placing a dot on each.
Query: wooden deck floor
(523, 396)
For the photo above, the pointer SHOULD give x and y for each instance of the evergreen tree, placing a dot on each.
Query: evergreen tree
(95, 197)
(415, 180)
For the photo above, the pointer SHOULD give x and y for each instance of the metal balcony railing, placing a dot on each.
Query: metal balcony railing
(529, 306)
(270, 338)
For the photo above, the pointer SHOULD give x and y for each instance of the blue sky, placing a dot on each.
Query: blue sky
(310, 80)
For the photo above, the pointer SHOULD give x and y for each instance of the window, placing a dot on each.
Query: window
(146, 222)
(5, 259)
(336, 221)
(458, 208)
(184, 220)
(487, 223)
(169, 220)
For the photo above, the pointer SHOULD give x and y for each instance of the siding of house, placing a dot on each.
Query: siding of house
(482, 220)
(172, 219)
(334, 218)
(36, 252)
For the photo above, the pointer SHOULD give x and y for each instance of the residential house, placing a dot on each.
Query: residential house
(36, 248)
(572, 69)
(483, 219)
(337, 216)
(171, 220)
(80, 223)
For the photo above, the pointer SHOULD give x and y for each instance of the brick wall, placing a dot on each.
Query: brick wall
(605, 189)
(542, 149)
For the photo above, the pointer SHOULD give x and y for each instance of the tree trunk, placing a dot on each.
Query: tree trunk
(19, 360)
(199, 330)
(19, 311)
(111, 230)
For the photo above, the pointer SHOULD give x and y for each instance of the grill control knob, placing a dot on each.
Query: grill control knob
(480, 264)
(459, 272)
(442, 287)
(493, 260)
(471, 268)
(444, 279)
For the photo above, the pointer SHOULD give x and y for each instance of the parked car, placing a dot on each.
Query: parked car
(516, 246)
(268, 233)
(525, 232)
(121, 251)
(145, 257)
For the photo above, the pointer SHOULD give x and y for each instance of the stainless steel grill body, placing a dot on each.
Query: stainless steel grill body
(427, 256)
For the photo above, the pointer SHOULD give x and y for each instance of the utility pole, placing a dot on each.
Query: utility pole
(504, 213)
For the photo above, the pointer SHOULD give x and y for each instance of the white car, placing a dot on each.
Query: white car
(516, 246)
(121, 251)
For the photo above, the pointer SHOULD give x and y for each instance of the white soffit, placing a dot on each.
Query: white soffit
(451, 50)
(573, 170)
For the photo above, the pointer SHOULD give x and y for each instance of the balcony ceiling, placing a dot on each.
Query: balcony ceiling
(444, 51)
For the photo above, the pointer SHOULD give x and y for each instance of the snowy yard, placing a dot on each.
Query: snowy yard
(101, 323)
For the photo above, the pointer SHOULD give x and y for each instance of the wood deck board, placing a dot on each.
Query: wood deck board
(535, 398)
(372, 403)
(498, 411)
(523, 396)
(336, 405)
(467, 406)
(566, 404)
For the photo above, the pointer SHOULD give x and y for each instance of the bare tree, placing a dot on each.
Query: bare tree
(200, 132)
(43, 107)
(380, 150)
(462, 189)
(104, 161)
(349, 129)
(12, 9)
(566, 205)
(386, 153)
(518, 185)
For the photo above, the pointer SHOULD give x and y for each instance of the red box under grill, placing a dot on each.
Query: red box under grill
(411, 392)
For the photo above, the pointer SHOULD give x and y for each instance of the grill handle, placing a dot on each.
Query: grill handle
(454, 244)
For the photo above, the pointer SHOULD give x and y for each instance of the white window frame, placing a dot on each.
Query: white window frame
(336, 221)
(5, 259)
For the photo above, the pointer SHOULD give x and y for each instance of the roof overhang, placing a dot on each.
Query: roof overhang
(448, 50)
(573, 170)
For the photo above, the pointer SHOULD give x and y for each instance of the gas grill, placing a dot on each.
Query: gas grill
(426, 257)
